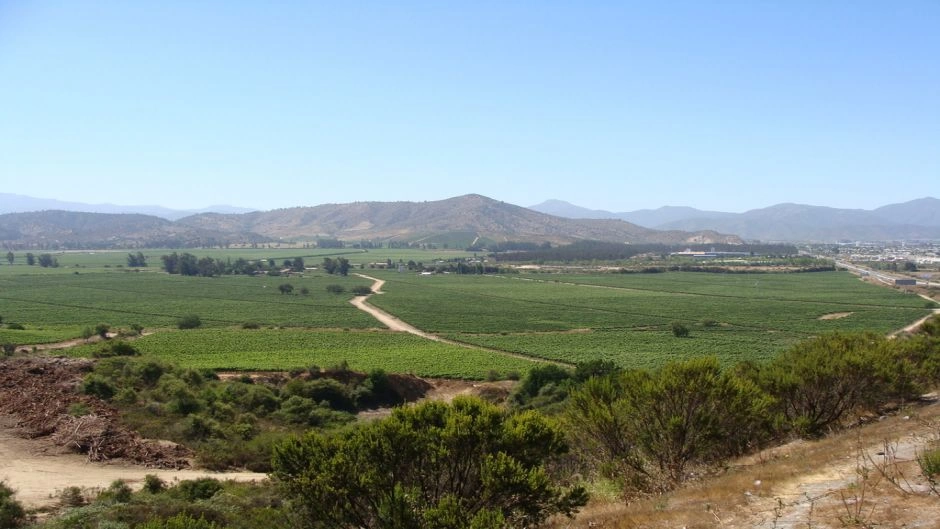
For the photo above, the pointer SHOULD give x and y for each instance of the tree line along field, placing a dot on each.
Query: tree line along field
(97, 259)
(570, 318)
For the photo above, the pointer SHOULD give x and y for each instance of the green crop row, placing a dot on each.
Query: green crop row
(285, 349)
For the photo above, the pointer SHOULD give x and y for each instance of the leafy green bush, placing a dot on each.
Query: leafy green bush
(72, 497)
(196, 489)
(191, 321)
(12, 514)
(98, 386)
(679, 330)
(153, 484)
(818, 383)
(115, 348)
(117, 492)
(361, 290)
(335, 289)
(488, 470)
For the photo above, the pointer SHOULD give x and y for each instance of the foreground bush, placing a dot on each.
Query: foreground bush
(12, 514)
(463, 465)
(646, 429)
(818, 383)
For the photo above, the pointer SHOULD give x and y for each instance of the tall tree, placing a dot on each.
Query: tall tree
(10, 257)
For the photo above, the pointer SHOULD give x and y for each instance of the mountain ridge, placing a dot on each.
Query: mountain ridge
(14, 203)
(472, 216)
(914, 219)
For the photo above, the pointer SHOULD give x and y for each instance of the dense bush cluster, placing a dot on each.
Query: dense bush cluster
(648, 430)
(233, 423)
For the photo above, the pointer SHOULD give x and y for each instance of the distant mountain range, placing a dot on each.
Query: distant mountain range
(916, 219)
(11, 203)
(458, 222)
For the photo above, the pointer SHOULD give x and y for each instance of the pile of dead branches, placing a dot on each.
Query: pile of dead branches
(44, 395)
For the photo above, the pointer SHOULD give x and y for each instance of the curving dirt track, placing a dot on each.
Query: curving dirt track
(395, 324)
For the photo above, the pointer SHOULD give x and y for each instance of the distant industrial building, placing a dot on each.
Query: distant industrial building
(905, 282)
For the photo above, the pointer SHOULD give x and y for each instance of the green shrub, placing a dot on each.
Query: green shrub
(98, 386)
(8, 349)
(929, 462)
(16, 327)
(153, 484)
(118, 492)
(251, 325)
(335, 289)
(679, 330)
(191, 321)
(12, 514)
(817, 383)
(72, 497)
(196, 489)
(115, 348)
(361, 290)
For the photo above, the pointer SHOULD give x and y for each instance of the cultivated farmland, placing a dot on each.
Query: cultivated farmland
(286, 349)
(627, 317)
(570, 318)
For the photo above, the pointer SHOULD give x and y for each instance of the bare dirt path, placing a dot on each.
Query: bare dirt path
(396, 324)
(54, 346)
(37, 470)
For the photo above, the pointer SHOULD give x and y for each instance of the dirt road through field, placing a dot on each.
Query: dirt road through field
(395, 324)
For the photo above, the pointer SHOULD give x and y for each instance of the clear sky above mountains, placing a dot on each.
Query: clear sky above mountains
(613, 105)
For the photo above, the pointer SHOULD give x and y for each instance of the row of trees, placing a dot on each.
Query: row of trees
(339, 266)
(44, 260)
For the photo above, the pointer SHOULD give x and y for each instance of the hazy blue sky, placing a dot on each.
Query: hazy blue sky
(616, 105)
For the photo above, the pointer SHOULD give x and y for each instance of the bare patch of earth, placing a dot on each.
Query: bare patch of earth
(836, 315)
(38, 469)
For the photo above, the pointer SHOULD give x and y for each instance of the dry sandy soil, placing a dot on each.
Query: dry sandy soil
(37, 469)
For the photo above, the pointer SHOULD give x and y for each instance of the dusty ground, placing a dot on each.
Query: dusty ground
(37, 469)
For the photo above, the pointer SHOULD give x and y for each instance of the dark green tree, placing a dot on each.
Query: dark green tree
(329, 265)
(137, 260)
(47, 261)
(465, 465)
(285, 288)
(10, 257)
(342, 266)
(30, 259)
